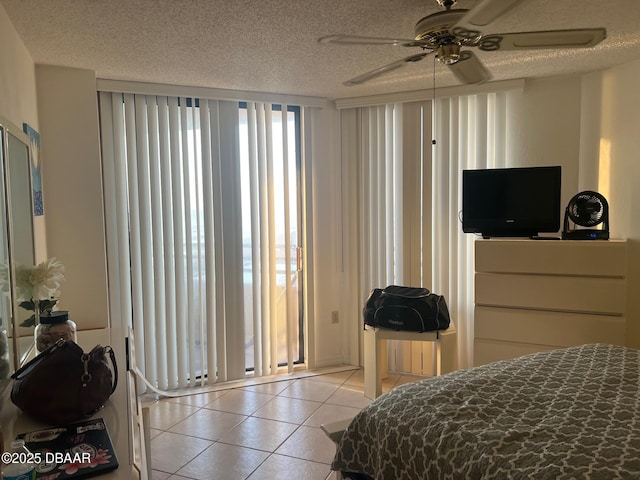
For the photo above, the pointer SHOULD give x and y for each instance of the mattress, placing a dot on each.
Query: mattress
(572, 413)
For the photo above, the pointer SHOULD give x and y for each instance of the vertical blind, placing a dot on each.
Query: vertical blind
(470, 132)
(198, 287)
(381, 197)
(273, 207)
(409, 201)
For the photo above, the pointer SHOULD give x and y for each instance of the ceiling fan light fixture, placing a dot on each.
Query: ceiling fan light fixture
(449, 53)
(446, 3)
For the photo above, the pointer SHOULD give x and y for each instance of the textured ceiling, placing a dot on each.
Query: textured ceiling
(271, 45)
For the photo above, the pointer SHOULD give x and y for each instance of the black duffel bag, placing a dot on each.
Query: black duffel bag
(409, 309)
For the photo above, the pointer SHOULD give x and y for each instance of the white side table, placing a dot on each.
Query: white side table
(374, 363)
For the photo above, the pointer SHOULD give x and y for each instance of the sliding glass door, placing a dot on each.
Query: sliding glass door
(203, 212)
(271, 216)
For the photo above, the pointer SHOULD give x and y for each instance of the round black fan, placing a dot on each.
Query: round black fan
(586, 210)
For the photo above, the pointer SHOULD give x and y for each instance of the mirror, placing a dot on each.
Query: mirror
(6, 361)
(17, 244)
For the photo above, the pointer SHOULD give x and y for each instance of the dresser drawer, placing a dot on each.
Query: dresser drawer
(545, 292)
(566, 257)
(547, 328)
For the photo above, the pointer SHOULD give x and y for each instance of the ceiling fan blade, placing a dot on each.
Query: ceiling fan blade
(359, 40)
(482, 15)
(577, 38)
(469, 69)
(387, 68)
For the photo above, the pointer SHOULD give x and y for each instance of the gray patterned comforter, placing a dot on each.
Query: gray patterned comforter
(565, 414)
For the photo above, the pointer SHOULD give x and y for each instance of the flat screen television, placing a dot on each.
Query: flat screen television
(511, 202)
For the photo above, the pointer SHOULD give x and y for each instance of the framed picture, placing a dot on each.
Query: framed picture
(36, 171)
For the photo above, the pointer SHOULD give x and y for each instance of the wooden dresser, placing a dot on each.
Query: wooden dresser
(536, 295)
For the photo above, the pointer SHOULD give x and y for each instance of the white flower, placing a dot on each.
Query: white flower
(39, 282)
(37, 287)
(46, 278)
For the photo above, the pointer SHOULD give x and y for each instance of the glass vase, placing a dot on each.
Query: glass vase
(52, 327)
(36, 313)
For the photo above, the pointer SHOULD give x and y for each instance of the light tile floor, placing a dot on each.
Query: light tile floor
(256, 432)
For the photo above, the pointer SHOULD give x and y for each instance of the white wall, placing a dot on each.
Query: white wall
(17, 76)
(329, 341)
(18, 98)
(62, 107)
(546, 130)
(614, 155)
(72, 187)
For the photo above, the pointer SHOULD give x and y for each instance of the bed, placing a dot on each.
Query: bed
(572, 413)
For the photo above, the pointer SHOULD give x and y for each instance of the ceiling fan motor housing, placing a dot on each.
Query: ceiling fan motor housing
(436, 28)
(586, 209)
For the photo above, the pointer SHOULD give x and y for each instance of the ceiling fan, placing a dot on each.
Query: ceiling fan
(450, 32)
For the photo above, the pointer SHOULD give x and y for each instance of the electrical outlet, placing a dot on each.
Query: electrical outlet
(335, 317)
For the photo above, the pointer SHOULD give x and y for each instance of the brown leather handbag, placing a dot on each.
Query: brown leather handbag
(64, 384)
